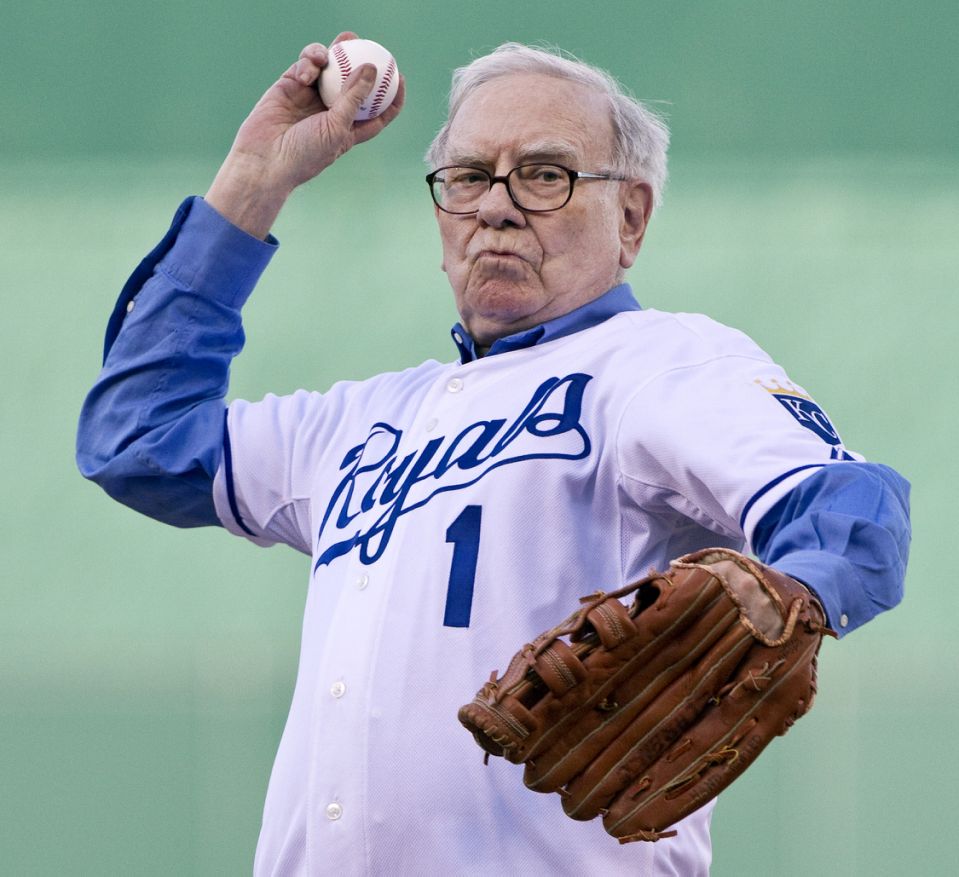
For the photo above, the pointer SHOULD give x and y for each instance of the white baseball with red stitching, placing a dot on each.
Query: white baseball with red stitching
(347, 56)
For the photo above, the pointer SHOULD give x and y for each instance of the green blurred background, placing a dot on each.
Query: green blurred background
(145, 673)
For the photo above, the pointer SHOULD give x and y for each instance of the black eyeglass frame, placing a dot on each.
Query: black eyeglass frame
(493, 180)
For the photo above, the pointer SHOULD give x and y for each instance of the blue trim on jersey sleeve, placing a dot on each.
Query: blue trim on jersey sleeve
(759, 494)
(151, 429)
(228, 476)
(844, 532)
(615, 301)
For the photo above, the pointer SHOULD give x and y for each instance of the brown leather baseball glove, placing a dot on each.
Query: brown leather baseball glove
(647, 712)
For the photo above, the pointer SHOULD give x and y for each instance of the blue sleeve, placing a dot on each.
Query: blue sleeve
(151, 429)
(844, 532)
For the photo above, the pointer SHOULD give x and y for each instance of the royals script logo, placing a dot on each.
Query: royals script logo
(381, 483)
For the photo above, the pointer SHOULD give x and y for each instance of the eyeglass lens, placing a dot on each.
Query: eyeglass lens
(532, 187)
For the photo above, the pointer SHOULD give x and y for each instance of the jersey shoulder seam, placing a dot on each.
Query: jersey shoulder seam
(649, 381)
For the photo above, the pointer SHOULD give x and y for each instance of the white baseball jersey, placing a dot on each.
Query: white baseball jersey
(452, 512)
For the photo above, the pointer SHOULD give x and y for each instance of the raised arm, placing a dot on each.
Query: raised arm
(151, 431)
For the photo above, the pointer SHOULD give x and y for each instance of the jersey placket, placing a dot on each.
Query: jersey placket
(347, 703)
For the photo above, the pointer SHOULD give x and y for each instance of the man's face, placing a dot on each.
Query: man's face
(509, 269)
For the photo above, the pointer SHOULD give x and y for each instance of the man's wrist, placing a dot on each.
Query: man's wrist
(244, 193)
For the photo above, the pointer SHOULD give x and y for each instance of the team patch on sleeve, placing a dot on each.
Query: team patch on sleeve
(806, 413)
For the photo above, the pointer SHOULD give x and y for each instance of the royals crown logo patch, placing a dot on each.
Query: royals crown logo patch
(806, 412)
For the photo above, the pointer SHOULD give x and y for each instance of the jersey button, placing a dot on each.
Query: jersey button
(131, 304)
(431, 424)
(338, 689)
(333, 811)
(844, 620)
(362, 582)
(454, 385)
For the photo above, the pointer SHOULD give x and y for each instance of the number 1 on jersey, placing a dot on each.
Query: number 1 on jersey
(464, 533)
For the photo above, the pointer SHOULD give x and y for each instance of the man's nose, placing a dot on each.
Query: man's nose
(497, 208)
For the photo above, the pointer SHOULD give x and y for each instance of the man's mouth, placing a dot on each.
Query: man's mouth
(499, 254)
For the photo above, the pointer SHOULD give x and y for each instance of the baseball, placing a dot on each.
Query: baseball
(345, 57)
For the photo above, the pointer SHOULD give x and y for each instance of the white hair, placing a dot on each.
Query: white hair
(640, 136)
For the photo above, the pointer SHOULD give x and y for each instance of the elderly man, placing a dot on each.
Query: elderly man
(455, 510)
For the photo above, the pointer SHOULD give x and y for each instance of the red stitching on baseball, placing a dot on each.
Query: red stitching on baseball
(344, 61)
(384, 88)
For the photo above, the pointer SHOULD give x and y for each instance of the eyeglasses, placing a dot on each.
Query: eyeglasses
(535, 188)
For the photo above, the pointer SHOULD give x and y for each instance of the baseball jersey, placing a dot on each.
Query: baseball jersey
(453, 511)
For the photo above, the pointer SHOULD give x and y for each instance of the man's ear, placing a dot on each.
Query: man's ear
(637, 208)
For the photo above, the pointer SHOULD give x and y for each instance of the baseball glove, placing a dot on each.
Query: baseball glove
(649, 711)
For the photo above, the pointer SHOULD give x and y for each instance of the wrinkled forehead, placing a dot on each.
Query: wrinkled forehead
(532, 116)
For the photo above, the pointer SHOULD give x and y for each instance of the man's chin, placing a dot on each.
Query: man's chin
(499, 309)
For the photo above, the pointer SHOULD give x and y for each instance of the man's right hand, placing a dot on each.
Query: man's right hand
(290, 137)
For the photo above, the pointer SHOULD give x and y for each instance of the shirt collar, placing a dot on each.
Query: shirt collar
(618, 299)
